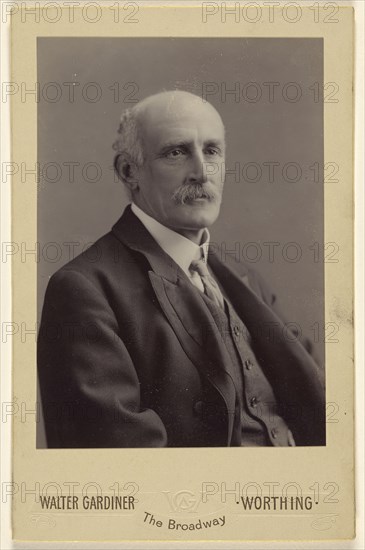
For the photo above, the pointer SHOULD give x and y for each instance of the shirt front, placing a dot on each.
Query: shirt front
(182, 250)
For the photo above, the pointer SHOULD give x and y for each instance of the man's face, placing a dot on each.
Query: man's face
(181, 181)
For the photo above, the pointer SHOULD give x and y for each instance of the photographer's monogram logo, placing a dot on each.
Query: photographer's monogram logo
(182, 501)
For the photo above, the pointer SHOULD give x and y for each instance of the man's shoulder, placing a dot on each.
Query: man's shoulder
(106, 257)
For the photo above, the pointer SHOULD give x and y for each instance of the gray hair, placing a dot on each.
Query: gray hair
(129, 141)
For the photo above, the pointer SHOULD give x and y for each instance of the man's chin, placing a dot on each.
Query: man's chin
(199, 214)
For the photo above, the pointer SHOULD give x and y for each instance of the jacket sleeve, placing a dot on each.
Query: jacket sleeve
(89, 385)
(270, 298)
(298, 379)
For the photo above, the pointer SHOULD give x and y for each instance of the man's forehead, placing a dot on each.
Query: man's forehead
(175, 132)
(184, 126)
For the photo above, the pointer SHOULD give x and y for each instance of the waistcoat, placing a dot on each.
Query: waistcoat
(258, 422)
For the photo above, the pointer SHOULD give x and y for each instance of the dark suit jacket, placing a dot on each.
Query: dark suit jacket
(130, 356)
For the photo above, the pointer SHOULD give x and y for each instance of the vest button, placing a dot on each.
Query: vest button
(253, 402)
(198, 407)
(248, 364)
(236, 330)
(274, 433)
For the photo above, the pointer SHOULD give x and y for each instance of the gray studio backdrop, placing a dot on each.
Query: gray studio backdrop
(268, 92)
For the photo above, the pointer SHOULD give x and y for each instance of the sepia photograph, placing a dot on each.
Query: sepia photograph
(180, 229)
(181, 325)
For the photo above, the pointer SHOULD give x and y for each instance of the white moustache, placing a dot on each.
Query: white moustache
(192, 191)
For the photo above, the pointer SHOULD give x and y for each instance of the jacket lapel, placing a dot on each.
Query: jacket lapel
(185, 310)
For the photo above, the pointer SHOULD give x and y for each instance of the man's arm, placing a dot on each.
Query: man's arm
(270, 298)
(89, 384)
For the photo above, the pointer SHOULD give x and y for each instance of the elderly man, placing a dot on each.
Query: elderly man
(169, 346)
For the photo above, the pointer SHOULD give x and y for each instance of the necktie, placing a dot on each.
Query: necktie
(211, 288)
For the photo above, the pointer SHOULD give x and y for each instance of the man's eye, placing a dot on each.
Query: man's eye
(212, 151)
(175, 153)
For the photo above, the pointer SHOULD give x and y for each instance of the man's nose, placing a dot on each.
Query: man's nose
(197, 169)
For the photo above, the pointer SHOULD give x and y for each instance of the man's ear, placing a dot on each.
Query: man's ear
(127, 170)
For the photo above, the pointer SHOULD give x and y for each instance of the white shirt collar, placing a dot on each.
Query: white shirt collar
(182, 250)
